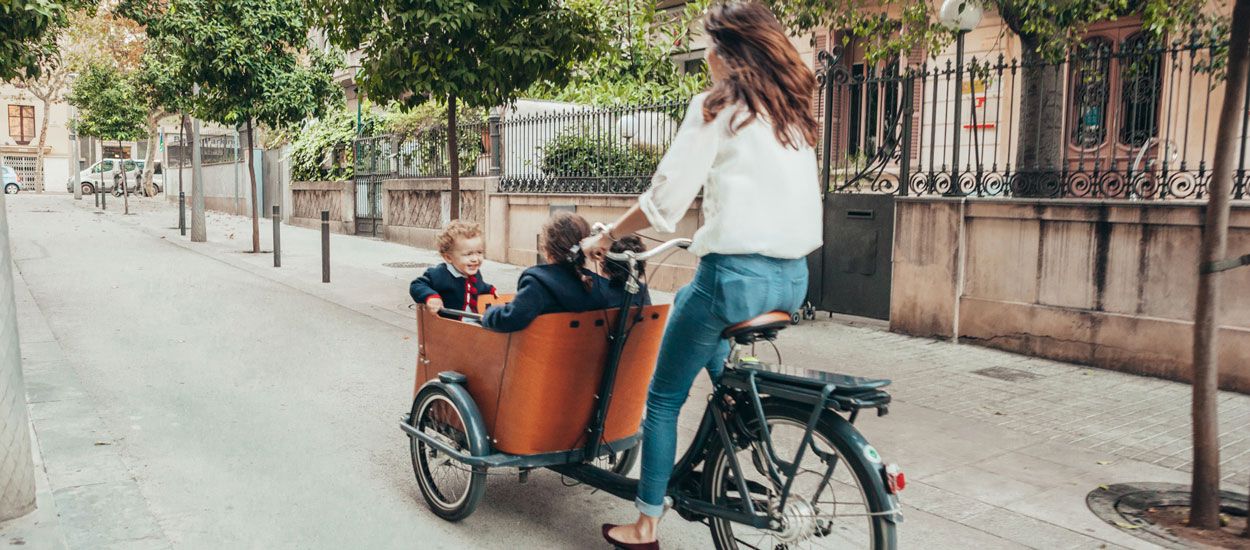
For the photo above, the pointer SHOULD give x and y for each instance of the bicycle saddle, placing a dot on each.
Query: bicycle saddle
(764, 327)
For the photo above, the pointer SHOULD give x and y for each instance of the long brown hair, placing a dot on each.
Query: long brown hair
(763, 73)
(561, 234)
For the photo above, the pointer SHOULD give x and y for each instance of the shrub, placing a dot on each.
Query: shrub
(334, 133)
(574, 154)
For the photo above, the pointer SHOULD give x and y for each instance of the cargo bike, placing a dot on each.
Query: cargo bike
(775, 462)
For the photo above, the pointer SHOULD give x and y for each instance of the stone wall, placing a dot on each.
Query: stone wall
(1110, 284)
(309, 198)
(414, 210)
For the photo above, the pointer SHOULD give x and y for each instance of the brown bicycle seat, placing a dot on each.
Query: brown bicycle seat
(763, 327)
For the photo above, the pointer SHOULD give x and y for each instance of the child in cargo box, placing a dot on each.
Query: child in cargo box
(456, 283)
(564, 284)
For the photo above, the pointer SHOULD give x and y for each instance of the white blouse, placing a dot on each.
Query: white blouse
(759, 197)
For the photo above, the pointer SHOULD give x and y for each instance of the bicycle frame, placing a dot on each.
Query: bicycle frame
(734, 418)
(736, 383)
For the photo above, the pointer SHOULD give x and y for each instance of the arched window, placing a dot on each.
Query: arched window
(1140, 89)
(1090, 85)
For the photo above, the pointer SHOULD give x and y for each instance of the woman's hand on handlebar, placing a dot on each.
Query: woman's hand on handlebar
(597, 246)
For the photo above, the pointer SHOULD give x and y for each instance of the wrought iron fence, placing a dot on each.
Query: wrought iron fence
(424, 154)
(214, 149)
(586, 150)
(1123, 118)
(1126, 120)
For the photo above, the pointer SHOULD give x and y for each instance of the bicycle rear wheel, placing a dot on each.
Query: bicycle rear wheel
(838, 498)
(452, 489)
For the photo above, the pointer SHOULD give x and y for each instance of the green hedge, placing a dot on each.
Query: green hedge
(576, 155)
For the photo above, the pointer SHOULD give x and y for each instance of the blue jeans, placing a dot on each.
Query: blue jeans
(726, 290)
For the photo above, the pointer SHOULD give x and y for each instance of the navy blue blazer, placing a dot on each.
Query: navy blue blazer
(440, 281)
(553, 288)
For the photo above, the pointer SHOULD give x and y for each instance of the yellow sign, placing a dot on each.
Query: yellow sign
(976, 86)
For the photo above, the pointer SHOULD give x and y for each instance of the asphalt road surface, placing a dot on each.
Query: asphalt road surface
(254, 415)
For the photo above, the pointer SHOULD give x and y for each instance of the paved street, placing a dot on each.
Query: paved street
(192, 396)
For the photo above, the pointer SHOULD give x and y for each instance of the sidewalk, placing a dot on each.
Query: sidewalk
(86, 496)
(1000, 449)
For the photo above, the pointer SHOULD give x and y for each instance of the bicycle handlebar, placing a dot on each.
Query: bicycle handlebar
(646, 255)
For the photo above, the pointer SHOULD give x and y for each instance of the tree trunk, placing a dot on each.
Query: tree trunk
(125, 188)
(251, 171)
(1039, 154)
(43, 142)
(199, 232)
(453, 156)
(150, 158)
(1205, 497)
(17, 486)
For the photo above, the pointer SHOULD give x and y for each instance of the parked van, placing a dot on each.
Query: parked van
(90, 178)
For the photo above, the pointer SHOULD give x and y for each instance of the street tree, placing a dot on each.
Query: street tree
(49, 87)
(159, 81)
(1205, 496)
(480, 53)
(635, 63)
(29, 32)
(249, 58)
(109, 107)
(77, 46)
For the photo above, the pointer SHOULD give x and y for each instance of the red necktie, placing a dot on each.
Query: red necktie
(470, 293)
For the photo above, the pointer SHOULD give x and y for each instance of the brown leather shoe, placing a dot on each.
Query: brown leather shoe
(655, 545)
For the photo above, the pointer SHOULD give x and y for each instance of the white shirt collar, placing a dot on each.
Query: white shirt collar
(456, 272)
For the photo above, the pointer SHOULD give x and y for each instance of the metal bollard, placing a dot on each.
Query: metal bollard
(277, 237)
(104, 200)
(182, 213)
(325, 246)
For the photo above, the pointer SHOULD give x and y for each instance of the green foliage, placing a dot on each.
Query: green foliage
(634, 62)
(585, 154)
(404, 122)
(480, 52)
(159, 78)
(108, 104)
(332, 134)
(421, 133)
(28, 30)
(890, 28)
(247, 56)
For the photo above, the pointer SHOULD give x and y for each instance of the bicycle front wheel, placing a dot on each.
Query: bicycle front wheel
(837, 500)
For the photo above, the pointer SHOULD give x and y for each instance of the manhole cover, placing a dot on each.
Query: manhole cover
(1125, 506)
(1008, 374)
(406, 265)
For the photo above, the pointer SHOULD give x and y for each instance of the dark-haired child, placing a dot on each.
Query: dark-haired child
(563, 284)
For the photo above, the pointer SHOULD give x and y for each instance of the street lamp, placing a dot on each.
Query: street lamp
(960, 16)
(627, 126)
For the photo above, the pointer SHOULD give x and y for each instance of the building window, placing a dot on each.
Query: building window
(1115, 90)
(22, 123)
(1140, 87)
(691, 62)
(694, 66)
(1091, 80)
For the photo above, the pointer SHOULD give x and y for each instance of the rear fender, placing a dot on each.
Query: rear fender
(475, 428)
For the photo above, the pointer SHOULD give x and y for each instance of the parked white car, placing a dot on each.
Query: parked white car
(12, 183)
(90, 178)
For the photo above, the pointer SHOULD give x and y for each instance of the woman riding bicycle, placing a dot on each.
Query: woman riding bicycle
(747, 144)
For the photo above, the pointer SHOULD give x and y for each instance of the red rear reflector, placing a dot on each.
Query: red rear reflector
(896, 480)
